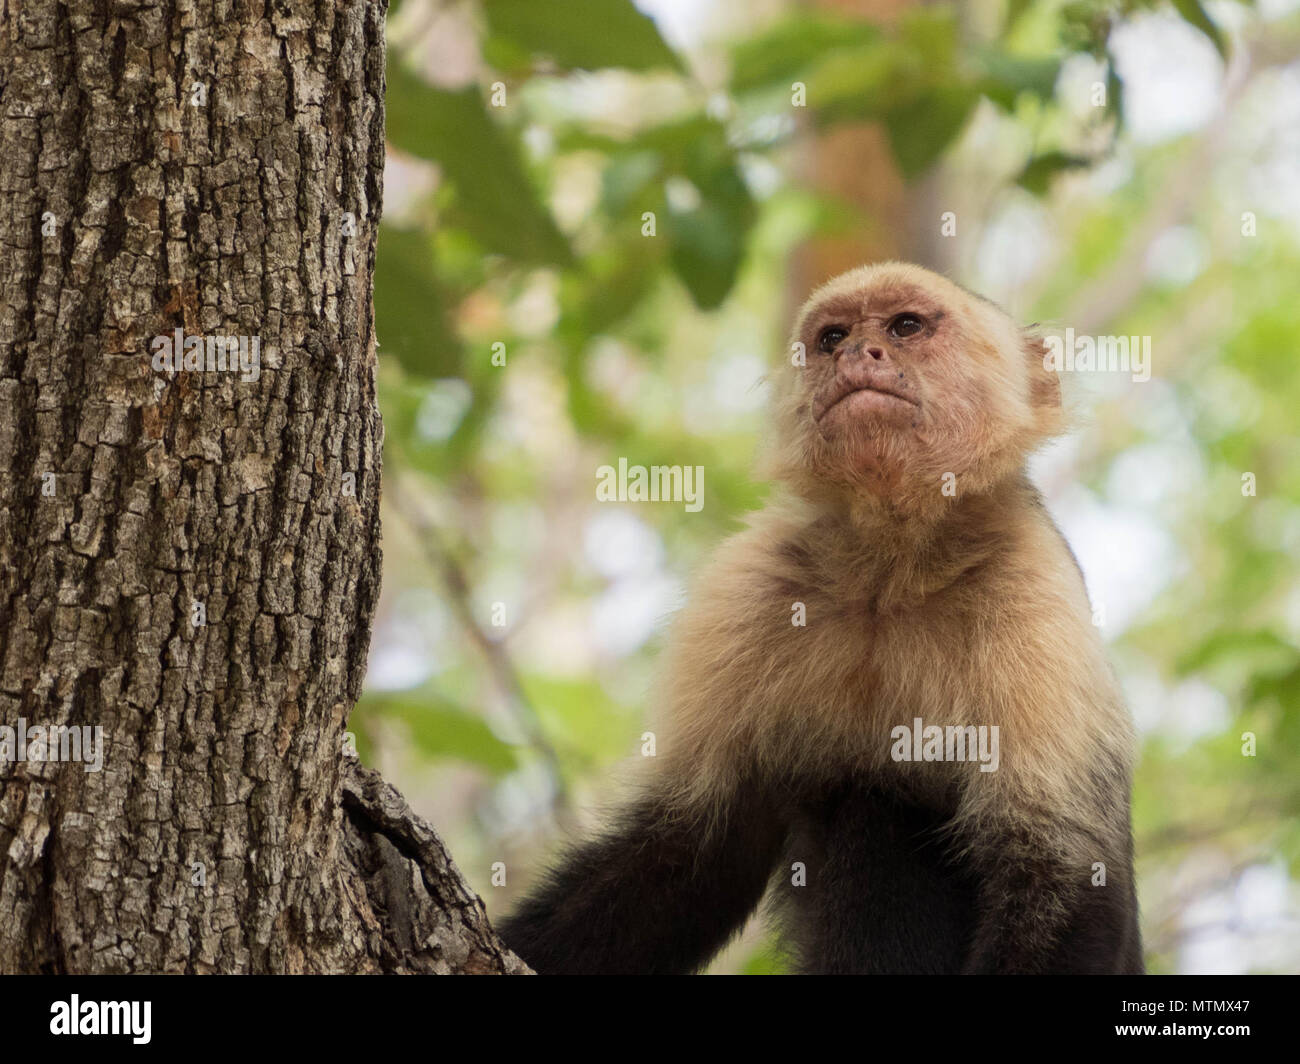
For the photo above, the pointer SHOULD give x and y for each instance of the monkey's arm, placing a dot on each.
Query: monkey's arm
(1048, 833)
(657, 893)
(1044, 910)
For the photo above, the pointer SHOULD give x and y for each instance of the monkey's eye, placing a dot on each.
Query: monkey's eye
(830, 339)
(905, 325)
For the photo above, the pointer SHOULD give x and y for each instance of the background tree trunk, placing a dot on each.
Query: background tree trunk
(854, 163)
(193, 165)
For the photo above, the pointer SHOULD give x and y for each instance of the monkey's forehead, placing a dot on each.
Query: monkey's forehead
(884, 288)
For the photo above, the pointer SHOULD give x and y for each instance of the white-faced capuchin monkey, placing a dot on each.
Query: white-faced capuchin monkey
(886, 704)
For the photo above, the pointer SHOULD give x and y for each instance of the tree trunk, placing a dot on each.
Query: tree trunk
(854, 164)
(190, 557)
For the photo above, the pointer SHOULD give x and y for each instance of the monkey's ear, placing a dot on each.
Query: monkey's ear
(1044, 381)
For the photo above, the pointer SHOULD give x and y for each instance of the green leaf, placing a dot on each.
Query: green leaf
(624, 183)
(581, 719)
(708, 240)
(442, 730)
(706, 252)
(1006, 76)
(411, 319)
(1011, 15)
(582, 34)
(788, 50)
(930, 34)
(494, 199)
(1264, 650)
(1194, 15)
(507, 56)
(869, 81)
(615, 282)
(705, 240)
(859, 83)
(1037, 175)
(920, 130)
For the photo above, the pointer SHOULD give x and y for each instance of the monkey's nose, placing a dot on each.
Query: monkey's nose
(876, 353)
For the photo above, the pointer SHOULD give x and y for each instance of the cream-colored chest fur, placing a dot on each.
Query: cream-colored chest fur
(786, 665)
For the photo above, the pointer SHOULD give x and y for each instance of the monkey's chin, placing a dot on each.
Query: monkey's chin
(866, 414)
(872, 458)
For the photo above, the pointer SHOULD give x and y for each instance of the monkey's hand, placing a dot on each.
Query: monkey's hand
(658, 893)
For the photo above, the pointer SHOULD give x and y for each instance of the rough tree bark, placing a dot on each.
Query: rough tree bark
(213, 166)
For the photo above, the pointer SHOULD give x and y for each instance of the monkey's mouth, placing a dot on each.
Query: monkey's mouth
(885, 396)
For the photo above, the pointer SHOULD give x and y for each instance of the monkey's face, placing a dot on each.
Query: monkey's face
(908, 377)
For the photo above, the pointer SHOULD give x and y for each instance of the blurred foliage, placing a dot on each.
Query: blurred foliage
(532, 327)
